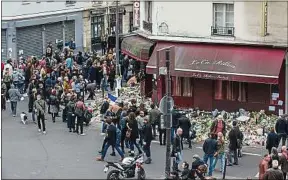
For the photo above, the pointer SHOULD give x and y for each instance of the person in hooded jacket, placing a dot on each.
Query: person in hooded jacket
(185, 125)
(14, 95)
(53, 103)
(281, 128)
(70, 109)
(147, 139)
(272, 140)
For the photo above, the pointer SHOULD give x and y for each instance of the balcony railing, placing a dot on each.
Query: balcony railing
(147, 26)
(222, 31)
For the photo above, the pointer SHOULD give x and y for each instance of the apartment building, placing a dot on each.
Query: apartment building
(27, 26)
(224, 55)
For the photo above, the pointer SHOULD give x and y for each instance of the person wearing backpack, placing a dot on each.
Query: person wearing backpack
(79, 112)
(70, 109)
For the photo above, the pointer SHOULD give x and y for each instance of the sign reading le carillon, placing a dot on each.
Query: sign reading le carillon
(215, 63)
(136, 13)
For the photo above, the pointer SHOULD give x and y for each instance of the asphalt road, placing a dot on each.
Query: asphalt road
(28, 154)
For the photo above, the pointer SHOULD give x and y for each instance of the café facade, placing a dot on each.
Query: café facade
(224, 77)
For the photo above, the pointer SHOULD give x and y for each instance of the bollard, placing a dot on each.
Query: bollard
(225, 167)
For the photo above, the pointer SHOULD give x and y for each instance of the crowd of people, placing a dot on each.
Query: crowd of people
(59, 81)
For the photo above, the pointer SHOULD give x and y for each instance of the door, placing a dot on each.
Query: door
(69, 30)
(53, 31)
(3, 45)
(29, 39)
(203, 94)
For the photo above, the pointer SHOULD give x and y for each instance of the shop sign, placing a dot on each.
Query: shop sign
(215, 63)
(209, 76)
(136, 13)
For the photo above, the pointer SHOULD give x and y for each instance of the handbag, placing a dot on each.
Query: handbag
(128, 133)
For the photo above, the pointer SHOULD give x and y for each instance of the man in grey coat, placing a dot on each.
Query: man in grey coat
(14, 95)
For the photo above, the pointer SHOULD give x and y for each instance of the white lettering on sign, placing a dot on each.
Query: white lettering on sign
(209, 76)
(136, 13)
(217, 63)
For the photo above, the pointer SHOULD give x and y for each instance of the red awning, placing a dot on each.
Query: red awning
(223, 62)
(136, 47)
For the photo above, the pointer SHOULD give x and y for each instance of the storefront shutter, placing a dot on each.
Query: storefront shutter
(69, 30)
(53, 31)
(29, 39)
(3, 45)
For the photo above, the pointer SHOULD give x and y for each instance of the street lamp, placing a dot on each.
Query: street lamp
(118, 79)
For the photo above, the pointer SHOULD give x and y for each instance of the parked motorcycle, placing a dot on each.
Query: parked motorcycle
(126, 169)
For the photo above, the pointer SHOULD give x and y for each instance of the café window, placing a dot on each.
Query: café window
(113, 23)
(97, 26)
(230, 90)
(182, 86)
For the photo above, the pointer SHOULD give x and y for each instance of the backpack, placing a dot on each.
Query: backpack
(79, 111)
(88, 115)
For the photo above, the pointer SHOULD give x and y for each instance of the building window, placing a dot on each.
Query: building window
(113, 23)
(97, 26)
(130, 21)
(223, 19)
(148, 11)
(229, 90)
(182, 86)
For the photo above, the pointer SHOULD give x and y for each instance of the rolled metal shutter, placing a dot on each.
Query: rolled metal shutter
(69, 30)
(53, 31)
(29, 39)
(3, 45)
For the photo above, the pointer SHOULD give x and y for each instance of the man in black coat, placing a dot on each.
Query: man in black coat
(177, 149)
(185, 125)
(234, 136)
(111, 138)
(281, 128)
(147, 138)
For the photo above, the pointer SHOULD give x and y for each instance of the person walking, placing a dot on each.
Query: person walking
(263, 166)
(177, 149)
(272, 140)
(53, 103)
(210, 148)
(7, 79)
(147, 139)
(220, 153)
(79, 112)
(234, 136)
(281, 129)
(3, 96)
(40, 109)
(154, 118)
(70, 109)
(218, 125)
(132, 126)
(162, 130)
(111, 140)
(14, 95)
(283, 163)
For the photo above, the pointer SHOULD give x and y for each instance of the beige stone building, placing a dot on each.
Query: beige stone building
(100, 19)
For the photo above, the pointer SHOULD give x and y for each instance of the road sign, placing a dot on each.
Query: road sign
(166, 101)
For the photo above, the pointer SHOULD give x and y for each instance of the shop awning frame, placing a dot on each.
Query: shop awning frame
(222, 62)
(137, 47)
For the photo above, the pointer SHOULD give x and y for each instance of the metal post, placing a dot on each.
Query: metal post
(168, 116)
(157, 76)
(117, 38)
(286, 84)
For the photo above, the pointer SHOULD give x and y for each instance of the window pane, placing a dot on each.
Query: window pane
(230, 18)
(219, 20)
(95, 30)
(230, 7)
(219, 7)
